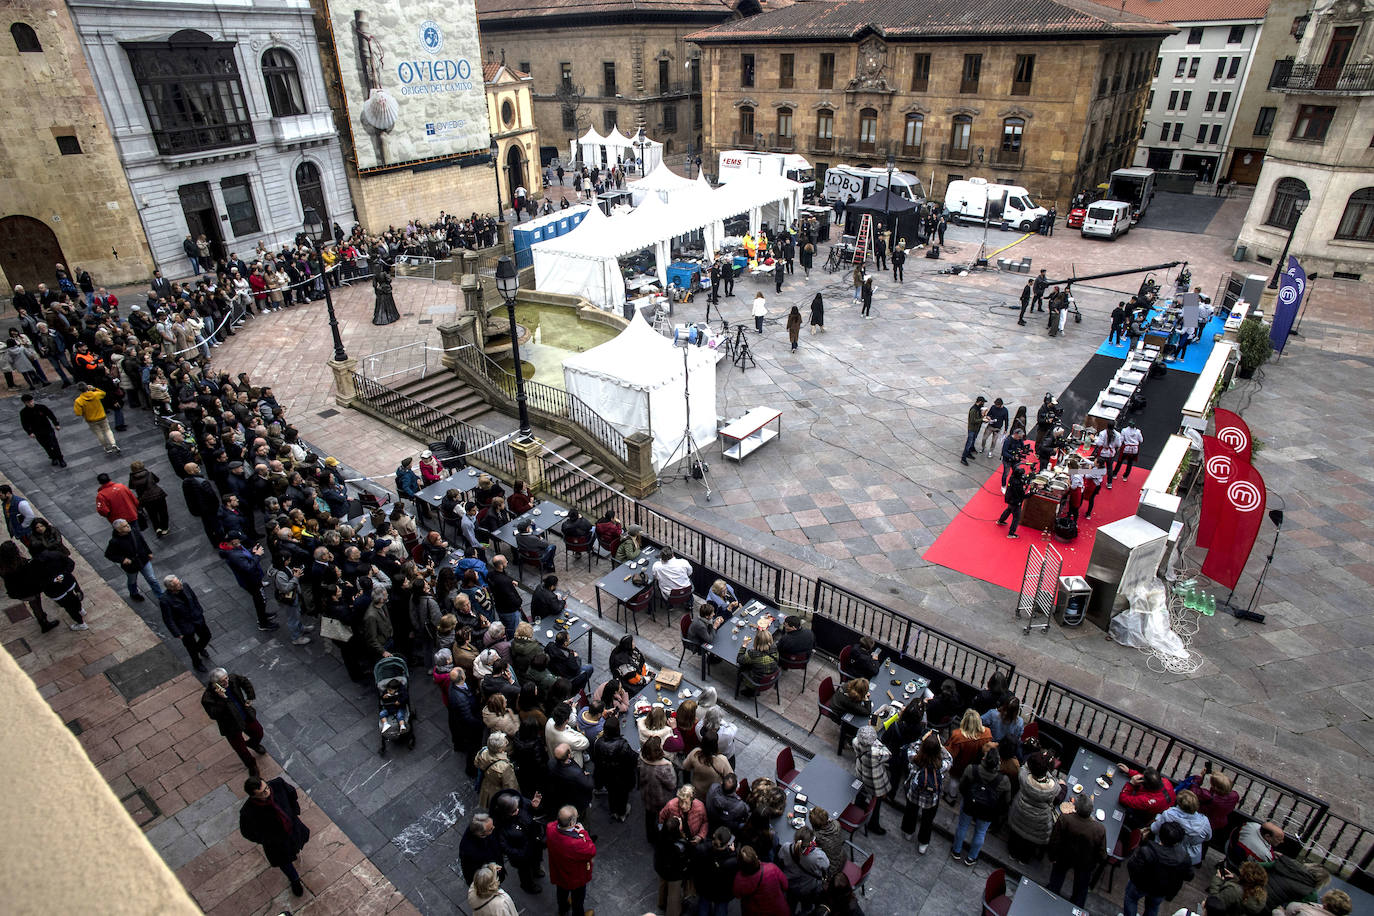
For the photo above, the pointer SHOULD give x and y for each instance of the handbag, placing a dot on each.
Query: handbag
(330, 628)
(143, 521)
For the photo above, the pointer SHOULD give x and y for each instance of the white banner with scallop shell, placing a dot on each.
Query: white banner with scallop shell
(412, 79)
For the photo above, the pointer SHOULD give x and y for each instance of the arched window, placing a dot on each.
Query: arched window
(283, 83)
(868, 130)
(784, 123)
(25, 38)
(1357, 224)
(911, 138)
(1283, 213)
(961, 133)
(310, 189)
(746, 125)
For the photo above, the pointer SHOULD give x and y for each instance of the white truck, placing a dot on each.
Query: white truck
(736, 162)
(1134, 187)
(977, 198)
(850, 183)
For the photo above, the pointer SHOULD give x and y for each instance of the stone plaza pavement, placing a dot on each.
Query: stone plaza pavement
(865, 475)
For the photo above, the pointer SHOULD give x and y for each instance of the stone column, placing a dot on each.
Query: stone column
(472, 293)
(449, 338)
(528, 467)
(345, 392)
(642, 480)
(470, 259)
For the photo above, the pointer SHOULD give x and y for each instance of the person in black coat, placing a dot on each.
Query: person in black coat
(464, 719)
(521, 837)
(504, 594)
(54, 573)
(202, 501)
(185, 619)
(569, 783)
(41, 424)
(131, 553)
(546, 602)
(228, 699)
(480, 845)
(714, 866)
(271, 817)
(616, 765)
(1015, 496)
(1158, 870)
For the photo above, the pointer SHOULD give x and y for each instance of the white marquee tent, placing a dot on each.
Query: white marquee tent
(663, 182)
(594, 149)
(636, 381)
(579, 263)
(589, 147)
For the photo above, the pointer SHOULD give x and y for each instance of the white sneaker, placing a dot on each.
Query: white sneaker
(921, 849)
(301, 641)
(78, 626)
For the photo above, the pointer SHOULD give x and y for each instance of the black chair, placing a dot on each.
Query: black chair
(679, 599)
(761, 685)
(607, 547)
(798, 661)
(641, 603)
(690, 645)
(528, 556)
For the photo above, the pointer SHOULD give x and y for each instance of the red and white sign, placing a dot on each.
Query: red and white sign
(1234, 431)
(1237, 525)
(1219, 465)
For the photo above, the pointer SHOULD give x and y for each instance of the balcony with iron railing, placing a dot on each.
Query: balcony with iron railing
(912, 153)
(822, 144)
(1008, 158)
(956, 155)
(1291, 76)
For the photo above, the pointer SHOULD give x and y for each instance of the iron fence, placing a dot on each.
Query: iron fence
(398, 362)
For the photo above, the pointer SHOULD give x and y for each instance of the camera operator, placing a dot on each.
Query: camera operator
(1047, 417)
(1015, 448)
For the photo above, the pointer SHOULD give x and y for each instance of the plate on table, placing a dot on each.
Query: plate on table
(798, 822)
(1101, 815)
(799, 809)
(1078, 788)
(910, 688)
(548, 634)
(472, 472)
(537, 512)
(1102, 782)
(560, 513)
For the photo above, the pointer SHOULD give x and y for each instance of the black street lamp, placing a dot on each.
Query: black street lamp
(508, 284)
(887, 199)
(314, 230)
(1299, 205)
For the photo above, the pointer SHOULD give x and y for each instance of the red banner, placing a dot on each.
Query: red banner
(1236, 527)
(1219, 465)
(1232, 430)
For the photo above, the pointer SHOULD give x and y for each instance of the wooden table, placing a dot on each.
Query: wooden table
(1033, 900)
(825, 784)
(1087, 766)
(741, 437)
(1039, 512)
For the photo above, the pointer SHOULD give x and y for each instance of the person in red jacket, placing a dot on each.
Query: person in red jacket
(760, 886)
(115, 501)
(571, 852)
(1146, 795)
(258, 284)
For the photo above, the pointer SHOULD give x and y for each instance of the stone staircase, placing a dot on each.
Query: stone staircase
(445, 392)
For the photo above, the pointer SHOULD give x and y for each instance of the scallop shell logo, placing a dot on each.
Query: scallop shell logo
(1219, 467)
(431, 37)
(1235, 437)
(380, 111)
(1245, 496)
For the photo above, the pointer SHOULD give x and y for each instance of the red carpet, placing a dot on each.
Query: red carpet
(974, 544)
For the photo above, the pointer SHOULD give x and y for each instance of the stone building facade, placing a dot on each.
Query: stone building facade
(1259, 104)
(1199, 77)
(607, 64)
(515, 139)
(66, 199)
(1321, 150)
(220, 119)
(1046, 96)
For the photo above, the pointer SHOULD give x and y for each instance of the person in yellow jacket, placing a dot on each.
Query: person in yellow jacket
(330, 257)
(90, 407)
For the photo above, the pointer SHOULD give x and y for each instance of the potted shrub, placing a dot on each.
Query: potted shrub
(1255, 346)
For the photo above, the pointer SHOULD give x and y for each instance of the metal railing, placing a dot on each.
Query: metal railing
(1290, 76)
(544, 399)
(434, 425)
(396, 362)
(1008, 159)
(956, 155)
(418, 266)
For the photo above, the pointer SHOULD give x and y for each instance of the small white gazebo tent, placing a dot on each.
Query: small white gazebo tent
(617, 144)
(636, 381)
(591, 146)
(662, 182)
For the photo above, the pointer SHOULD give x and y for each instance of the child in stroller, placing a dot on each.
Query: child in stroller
(395, 718)
(394, 707)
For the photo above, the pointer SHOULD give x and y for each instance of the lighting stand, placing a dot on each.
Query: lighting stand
(744, 357)
(690, 466)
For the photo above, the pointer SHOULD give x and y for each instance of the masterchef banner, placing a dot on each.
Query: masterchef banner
(1242, 510)
(412, 79)
(1219, 464)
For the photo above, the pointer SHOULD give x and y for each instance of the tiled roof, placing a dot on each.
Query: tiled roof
(846, 20)
(694, 10)
(1197, 10)
(491, 68)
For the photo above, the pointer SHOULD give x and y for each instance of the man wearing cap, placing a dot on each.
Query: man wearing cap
(975, 423)
(247, 570)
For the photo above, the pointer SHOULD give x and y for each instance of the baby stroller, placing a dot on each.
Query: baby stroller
(396, 717)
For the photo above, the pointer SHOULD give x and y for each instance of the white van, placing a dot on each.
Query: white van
(1107, 219)
(973, 199)
(849, 183)
(734, 162)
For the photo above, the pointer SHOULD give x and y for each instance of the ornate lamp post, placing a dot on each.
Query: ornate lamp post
(314, 230)
(508, 284)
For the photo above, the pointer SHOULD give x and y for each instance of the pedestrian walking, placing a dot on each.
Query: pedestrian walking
(940, 230)
(151, 497)
(19, 514)
(759, 311)
(89, 407)
(1014, 497)
(866, 295)
(571, 852)
(184, 618)
(975, 423)
(42, 426)
(789, 251)
(1131, 440)
(23, 583)
(114, 501)
(131, 552)
(898, 262)
(1026, 293)
(817, 313)
(1118, 324)
(880, 246)
(247, 570)
(727, 270)
(714, 274)
(808, 257)
(271, 817)
(794, 323)
(1038, 299)
(777, 276)
(858, 278)
(1105, 446)
(228, 700)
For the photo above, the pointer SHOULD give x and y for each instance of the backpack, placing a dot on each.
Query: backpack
(283, 586)
(983, 798)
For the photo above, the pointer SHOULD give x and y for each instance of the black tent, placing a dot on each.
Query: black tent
(885, 206)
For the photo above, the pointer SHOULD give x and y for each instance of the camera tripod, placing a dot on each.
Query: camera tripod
(690, 466)
(743, 356)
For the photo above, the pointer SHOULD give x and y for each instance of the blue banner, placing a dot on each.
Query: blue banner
(1292, 286)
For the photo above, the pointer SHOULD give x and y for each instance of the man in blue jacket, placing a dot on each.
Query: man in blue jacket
(243, 563)
(407, 481)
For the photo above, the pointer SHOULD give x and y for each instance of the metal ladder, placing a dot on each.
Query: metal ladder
(865, 240)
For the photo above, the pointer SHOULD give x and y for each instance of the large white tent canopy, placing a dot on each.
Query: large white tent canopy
(662, 182)
(636, 381)
(596, 150)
